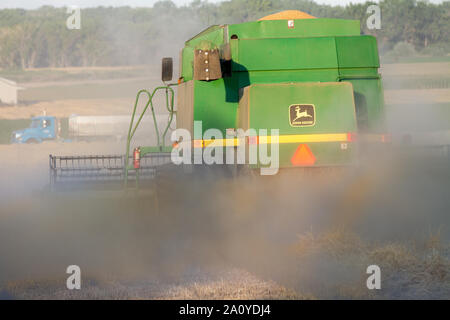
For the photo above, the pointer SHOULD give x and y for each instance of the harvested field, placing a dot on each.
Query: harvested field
(229, 284)
(409, 96)
(241, 243)
(65, 108)
(415, 69)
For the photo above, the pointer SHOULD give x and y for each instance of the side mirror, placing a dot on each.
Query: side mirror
(167, 69)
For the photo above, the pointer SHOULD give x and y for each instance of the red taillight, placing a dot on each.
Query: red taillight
(253, 140)
(137, 158)
(351, 137)
(386, 138)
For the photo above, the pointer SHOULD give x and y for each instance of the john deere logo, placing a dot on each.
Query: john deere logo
(302, 115)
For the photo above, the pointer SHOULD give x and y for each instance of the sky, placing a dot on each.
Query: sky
(33, 4)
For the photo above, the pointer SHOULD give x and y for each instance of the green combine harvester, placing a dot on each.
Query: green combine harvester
(314, 80)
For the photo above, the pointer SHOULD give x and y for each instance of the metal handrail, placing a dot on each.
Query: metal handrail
(132, 129)
(169, 107)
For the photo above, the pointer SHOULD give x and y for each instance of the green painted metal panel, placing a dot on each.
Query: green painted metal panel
(369, 95)
(359, 73)
(215, 103)
(357, 52)
(285, 54)
(302, 28)
(268, 108)
(318, 75)
(213, 34)
(333, 101)
(358, 64)
(187, 63)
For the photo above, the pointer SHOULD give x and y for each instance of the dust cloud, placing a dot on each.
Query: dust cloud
(314, 232)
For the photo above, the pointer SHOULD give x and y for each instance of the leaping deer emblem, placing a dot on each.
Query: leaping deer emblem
(303, 114)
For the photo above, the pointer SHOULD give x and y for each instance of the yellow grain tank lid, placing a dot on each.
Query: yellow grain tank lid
(288, 15)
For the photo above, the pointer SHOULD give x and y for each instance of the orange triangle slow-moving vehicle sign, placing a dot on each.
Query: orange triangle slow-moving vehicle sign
(303, 156)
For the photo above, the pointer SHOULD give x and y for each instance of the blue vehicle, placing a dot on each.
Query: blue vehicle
(41, 128)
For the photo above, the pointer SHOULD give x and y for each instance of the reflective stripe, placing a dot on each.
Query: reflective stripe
(301, 138)
(233, 142)
(294, 138)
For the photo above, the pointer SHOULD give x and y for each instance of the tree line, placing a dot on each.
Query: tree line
(125, 36)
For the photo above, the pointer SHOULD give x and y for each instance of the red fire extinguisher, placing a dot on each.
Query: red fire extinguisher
(137, 158)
